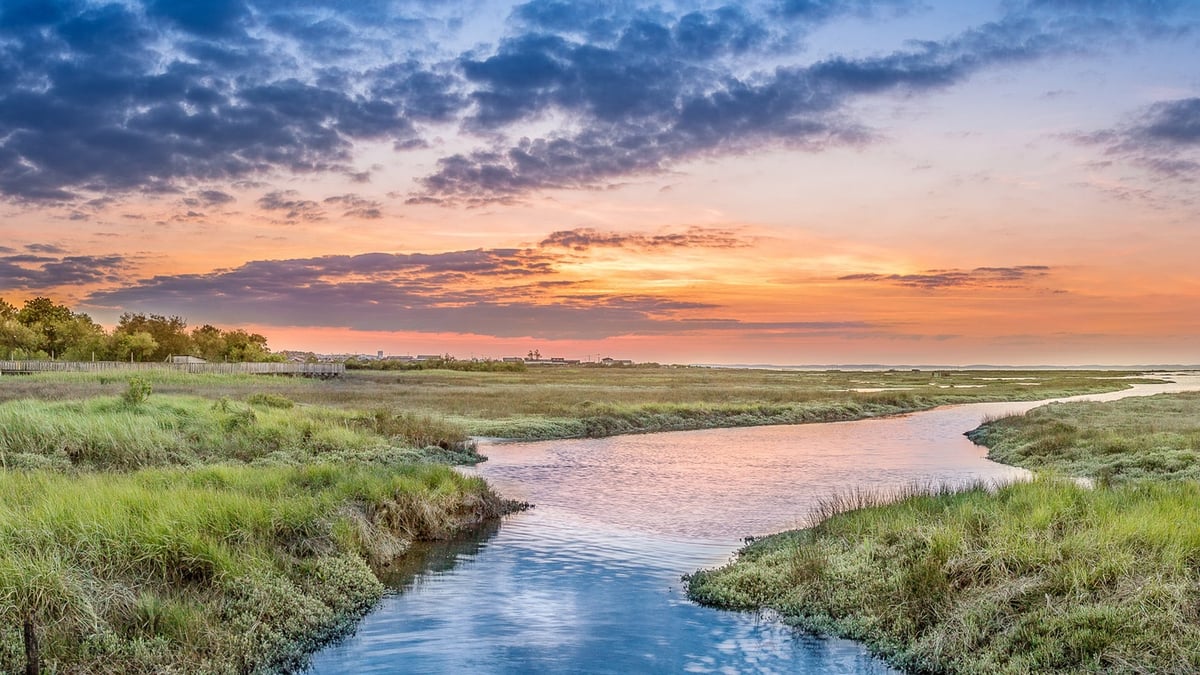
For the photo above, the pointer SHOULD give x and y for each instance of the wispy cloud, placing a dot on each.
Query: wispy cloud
(980, 277)
(585, 238)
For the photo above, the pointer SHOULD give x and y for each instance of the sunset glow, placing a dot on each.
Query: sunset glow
(778, 181)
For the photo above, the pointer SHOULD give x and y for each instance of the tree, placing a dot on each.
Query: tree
(18, 341)
(209, 342)
(51, 320)
(243, 346)
(43, 310)
(168, 333)
(83, 339)
(140, 346)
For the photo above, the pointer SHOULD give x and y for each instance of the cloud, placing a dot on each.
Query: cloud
(113, 98)
(500, 292)
(584, 238)
(167, 96)
(44, 248)
(294, 208)
(1163, 138)
(980, 277)
(214, 197)
(356, 206)
(641, 110)
(37, 272)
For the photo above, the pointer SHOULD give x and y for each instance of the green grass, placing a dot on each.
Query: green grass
(1047, 576)
(1039, 577)
(554, 402)
(1146, 437)
(151, 532)
(222, 569)
(109, 433)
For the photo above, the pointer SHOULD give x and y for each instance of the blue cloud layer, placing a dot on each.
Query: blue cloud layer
(168, 95)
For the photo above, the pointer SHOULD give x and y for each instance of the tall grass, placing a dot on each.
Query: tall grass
(110, 433)
(1036, 577)
(217, 569)
(1136, 438)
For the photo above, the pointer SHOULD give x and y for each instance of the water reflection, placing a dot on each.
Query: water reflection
(588, 581)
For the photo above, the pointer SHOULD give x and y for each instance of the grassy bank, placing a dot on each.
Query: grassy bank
(223, 569)
(1152, 437)
(150, 532)
(555, 402)
(1046, 576)
(1037, 577)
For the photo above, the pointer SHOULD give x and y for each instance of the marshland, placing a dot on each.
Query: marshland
(1048, 575)
(229, 523)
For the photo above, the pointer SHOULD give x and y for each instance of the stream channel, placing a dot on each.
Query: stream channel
(588, 581)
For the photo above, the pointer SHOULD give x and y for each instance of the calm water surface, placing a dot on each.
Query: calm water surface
(588, 581)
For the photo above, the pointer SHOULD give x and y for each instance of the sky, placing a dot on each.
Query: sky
(772, 181)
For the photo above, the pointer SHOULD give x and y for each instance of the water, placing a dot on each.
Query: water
(588, 581)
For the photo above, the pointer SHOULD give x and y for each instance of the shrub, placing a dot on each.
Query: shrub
(271, 401)
(138, 391)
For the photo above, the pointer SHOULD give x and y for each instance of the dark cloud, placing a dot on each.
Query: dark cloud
(980, 277)
(37, 272)
(112, 98)
(1163, 138)
(166, 96)
(207, 18)
(644, 110)
(584, 238)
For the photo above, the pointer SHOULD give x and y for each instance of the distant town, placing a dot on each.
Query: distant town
(533, 358)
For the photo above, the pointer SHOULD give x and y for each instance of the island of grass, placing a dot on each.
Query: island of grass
(164, 533)
(1044, 576)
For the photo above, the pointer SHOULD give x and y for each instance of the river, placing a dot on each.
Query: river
(588, 581)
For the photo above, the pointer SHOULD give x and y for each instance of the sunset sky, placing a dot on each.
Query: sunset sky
(774, 181)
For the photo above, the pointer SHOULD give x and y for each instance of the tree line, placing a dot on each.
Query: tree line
(44, 329)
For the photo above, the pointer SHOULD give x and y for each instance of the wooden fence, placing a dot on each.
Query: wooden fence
(322, 370)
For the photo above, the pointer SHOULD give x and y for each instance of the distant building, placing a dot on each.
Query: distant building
(186, 360)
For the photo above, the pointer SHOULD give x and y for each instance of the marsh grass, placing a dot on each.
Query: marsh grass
(579, 402)
(143, 531)
(222, 569)
(1136, 438)
(1043, 576)
(110, 433)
